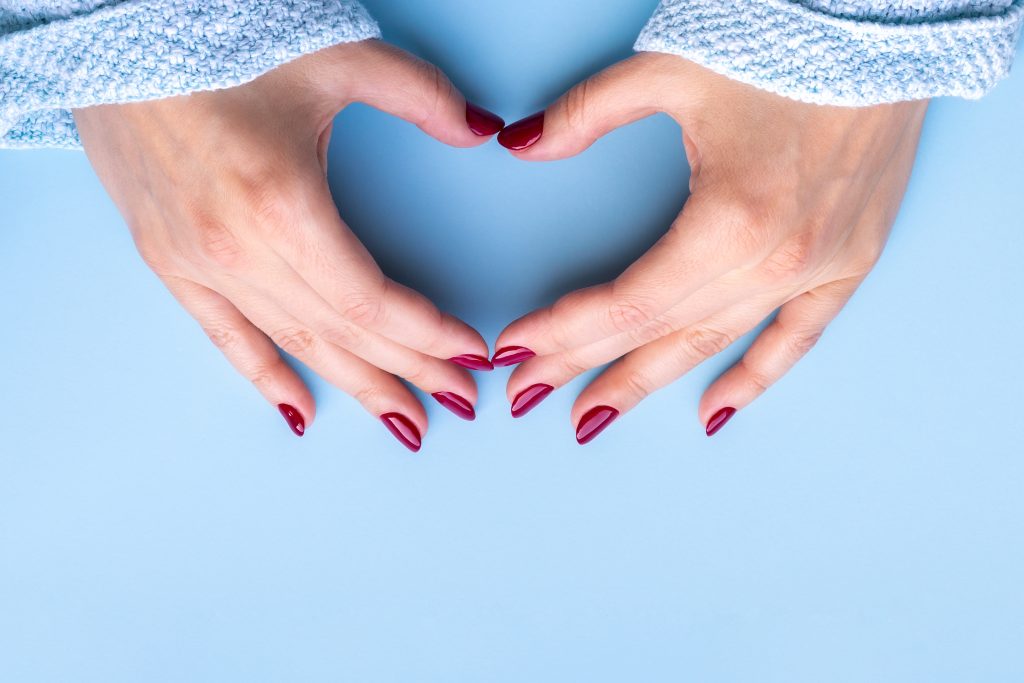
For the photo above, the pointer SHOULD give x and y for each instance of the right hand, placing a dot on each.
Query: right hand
(226, 195)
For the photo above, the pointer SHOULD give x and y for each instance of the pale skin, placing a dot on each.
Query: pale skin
(226, 196)
(791, 205)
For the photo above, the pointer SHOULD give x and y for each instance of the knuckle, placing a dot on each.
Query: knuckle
(629, 314)
(706, 342)
(368, 395)
(752, 239)
(362, 309)
(342, 334)
(757, 379)
(801, 343)
(217, 245)
(439, 89)
(576, 105)
(270, 200)
(417, 373)
(263, 376)
(793, 261)
(294, 341)
(653, 329)
(750, 224)
(224, 338)
(638, 383)
(154, 256)
(571, 364)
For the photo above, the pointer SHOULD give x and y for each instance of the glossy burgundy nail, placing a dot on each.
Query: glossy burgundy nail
(719, 419)
(472, 361)
(522, 134)
(527, 399)
(403, 429)
(293, 418)
(483, 122)
(456, 404)
(510, 355)
(595, 421)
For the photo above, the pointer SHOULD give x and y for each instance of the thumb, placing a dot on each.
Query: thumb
(633, 89)
(398, 83)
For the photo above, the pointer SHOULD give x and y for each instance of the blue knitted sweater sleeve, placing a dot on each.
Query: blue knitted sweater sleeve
(58, 55)
(845, 52)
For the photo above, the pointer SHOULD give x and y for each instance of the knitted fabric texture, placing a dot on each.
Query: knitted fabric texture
(845, 52)
(57, 55)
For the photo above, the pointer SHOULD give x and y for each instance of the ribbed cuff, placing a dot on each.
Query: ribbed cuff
(151, 49)
(790, 50)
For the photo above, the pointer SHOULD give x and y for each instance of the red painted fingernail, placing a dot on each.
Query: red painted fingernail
(456, 404)
(293, 418)
(719, 419)
(472, 361)
(403, 429)
(483, 122)
(510, 355)
(523, 133)
(595, 421)
(527, 399)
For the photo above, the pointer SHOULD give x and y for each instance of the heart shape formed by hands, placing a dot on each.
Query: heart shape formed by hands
(248, 236)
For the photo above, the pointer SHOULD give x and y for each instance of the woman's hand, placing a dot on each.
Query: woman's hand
(790, 207)
(226, 196)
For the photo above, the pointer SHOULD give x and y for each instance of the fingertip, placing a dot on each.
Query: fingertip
(473, 361)
(293, 418)
(511, 355)
(722, 400)
(405, 431)
(594, 421)
(529, 398)
(481, 122)
(718, 420)
(456, 404)
(523, 134)
(462, 338)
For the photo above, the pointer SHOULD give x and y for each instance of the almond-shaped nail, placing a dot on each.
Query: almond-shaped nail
(522, 133)
(482, 122)
(510, 355)
(471, 361)
(528, 399)
(294, 419)
(718, 420)
(595, 421)
(402, 429)
(456, 404)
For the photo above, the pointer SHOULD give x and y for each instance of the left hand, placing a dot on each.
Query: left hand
(790, 207)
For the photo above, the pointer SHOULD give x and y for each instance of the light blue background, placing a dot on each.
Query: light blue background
(864, 521)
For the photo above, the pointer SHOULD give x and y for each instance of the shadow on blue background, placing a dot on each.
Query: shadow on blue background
(863, 521)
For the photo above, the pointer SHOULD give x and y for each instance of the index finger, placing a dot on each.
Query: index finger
(708, 239)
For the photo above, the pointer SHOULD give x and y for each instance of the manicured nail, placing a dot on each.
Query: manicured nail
(472, 361)
(456, 404)
(528, 399)
(510, 355)
(293, 418)
(595, 421)
(403, 429)
(522, 134)
(719, 419)
(483, 122)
